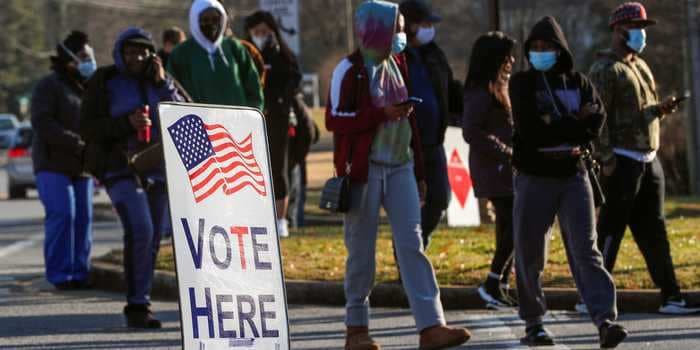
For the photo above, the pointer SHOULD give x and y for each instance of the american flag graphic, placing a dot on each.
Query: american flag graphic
(214, 160)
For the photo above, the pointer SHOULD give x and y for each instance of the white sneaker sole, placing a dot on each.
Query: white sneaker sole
(677, 310)
(491, 302)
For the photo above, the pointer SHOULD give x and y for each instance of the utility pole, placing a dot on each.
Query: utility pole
(693, 113)
(494, 15)
(349, 33)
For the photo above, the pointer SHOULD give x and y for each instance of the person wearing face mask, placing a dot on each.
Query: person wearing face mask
(214, 68)
(430, 79)
(488, 127)
(556, 113)
(634, 185)
(120, 107)
(377, 145)
(283, 76)
(57, 152)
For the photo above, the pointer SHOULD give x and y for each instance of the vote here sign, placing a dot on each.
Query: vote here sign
(227, 253)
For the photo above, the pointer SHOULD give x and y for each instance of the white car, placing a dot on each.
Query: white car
(20, 169)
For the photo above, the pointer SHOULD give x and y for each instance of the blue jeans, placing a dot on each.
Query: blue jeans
(395, 188)
(144, 217)
(68, 226)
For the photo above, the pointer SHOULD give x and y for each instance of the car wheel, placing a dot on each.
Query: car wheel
(17, 192)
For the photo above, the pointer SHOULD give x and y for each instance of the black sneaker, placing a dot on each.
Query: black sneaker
(678, 306)
(140, 316)
(495, 299)
(537, 336)
(611, 334)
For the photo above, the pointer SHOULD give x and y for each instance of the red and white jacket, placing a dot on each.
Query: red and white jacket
(353, 118)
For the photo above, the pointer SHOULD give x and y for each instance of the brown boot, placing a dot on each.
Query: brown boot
(357, 338)
(442, 337)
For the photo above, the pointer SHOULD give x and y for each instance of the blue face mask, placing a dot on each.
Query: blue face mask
(543, 61)
(398, 43)
(637, 40)
(87, 68)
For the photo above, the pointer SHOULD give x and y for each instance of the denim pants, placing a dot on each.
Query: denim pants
(537, 201)
(437, 196)
(68, 225)
(144, 217)
(395, 188)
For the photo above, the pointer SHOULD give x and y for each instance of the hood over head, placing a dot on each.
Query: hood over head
(375, 25)
(548, 29)
(199, 6)
(132, 34)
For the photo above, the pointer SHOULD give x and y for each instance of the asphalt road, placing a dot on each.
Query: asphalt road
(35, 316)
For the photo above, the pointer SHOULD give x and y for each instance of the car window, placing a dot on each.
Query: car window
(23, 139)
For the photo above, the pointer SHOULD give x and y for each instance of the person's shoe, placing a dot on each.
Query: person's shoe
(442, 337)
(357, 338)
(678, 306)
(537, 336)
(611, 334)
(283, 228)
(140, 316)
(581, 307)
(495, 299)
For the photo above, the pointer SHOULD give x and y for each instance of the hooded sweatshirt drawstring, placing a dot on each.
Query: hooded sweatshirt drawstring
(212, 48)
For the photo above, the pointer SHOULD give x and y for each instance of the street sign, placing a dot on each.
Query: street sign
(227, 253)
(286, 12)
(464, 207)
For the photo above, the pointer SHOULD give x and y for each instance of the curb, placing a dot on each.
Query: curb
(110, 276)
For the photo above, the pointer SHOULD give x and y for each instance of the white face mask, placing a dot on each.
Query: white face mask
(425, 35)
(260, 40)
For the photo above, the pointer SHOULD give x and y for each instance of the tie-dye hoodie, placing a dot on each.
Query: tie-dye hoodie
(375, 25)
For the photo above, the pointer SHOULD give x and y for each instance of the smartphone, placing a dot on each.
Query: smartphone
(150, 70)
(412, 99)
(680, 99)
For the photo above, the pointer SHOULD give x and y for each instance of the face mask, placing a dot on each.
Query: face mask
(425, 35)
(260, 40)
(637, 40)
(543, 61)
(398, 43)
(86, 68)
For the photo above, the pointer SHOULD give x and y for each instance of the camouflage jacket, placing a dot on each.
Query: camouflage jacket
(628, 91)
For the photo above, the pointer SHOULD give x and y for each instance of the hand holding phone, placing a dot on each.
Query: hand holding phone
(411, 100)
(672, 103)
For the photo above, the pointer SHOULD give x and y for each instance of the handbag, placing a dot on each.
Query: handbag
(147, 159)
(335, 196)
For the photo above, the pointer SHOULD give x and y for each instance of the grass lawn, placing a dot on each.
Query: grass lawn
(462, 256)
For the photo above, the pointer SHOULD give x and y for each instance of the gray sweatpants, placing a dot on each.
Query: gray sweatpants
(395, 188)
(537, 201)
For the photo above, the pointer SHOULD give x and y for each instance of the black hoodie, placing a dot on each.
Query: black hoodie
(545, 105)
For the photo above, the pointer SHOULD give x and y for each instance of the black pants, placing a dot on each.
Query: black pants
(503, 257)
(437, 196)
(635, 196)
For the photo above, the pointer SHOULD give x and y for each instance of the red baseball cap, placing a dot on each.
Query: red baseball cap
(630, 12)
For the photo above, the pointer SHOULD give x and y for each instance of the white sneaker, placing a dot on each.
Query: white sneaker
(494, 302)
(678, 307)
(581, 308)
(283, 228)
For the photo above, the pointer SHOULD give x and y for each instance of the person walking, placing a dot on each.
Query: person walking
(377, 145)
(57, 149)
(431, 80)
(635, 189)
(214, 68)
(282, 79)
(172, 37)
(556, 113)
(487, 126)
(119, 110)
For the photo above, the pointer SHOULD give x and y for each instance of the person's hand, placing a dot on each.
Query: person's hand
(422, 190)
(396, 112)
(668, 106)
(159, 72)
(139, 120)
(587, 110)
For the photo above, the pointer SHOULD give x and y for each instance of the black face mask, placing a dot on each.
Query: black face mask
(211, 31)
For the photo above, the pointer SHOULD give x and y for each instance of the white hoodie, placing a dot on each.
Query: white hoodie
(199, 6)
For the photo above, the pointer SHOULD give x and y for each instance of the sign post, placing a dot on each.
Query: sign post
(464, 207)
(286, 12)
(227, 252)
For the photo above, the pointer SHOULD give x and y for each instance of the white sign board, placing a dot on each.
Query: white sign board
(227, 253)
(464, 207)
(286, 12)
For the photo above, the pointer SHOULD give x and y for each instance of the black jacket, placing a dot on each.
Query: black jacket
(541, 121)
(283, 79)
(448, 91)
(55, 107)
